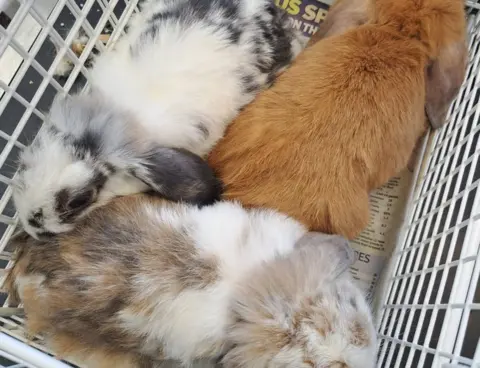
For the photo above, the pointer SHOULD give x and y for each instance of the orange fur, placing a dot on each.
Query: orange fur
(343, 119)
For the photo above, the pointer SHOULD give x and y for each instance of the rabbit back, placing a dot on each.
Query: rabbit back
(186, 68)
(109, 286)
(314, 152)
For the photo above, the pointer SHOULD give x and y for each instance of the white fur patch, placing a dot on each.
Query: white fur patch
(239, 240)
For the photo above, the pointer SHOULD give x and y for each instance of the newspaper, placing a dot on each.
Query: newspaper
(374, 246)
(306, 15)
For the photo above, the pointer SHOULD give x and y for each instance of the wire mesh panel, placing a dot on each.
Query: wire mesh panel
(431, 316)
(36, 62)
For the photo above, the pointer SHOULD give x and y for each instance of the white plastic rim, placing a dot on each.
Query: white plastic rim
(23, 353)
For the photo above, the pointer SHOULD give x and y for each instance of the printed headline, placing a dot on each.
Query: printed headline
(305, 14)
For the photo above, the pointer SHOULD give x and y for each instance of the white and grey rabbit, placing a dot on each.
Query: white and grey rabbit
(142, 279)
(159, 99)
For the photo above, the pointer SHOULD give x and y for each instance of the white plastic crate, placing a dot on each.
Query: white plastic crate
(430, 311)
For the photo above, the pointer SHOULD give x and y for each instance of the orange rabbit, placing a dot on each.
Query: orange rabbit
(345, 117)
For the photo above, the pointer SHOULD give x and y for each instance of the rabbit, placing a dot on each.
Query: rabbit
(346, 116)
(143, 279)
(158, 101)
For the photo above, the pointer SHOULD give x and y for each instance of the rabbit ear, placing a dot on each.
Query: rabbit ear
(342, 15)
(178, 175)
(444, 78)
(335, 251)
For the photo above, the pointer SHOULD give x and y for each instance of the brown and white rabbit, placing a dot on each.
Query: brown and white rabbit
(347, 115)
(142, 279)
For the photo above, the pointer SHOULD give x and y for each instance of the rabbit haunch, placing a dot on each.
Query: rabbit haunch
(346, 116)
(170, 86)
(144, 279)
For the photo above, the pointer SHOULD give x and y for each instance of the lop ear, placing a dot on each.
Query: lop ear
(444, 77)
(178, 175)
(334, 250)
(342, 16)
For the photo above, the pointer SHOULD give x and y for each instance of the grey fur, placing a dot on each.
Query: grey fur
(336, 248)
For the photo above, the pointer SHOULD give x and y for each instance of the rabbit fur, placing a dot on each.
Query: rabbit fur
(162, 96)
(346, 116)
(142, 279)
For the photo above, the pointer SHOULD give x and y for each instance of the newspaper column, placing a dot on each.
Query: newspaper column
(306, 15)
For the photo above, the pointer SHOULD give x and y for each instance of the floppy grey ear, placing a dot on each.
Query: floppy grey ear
(178, 175)
(334, 250)
(444, 77)
(342, 16)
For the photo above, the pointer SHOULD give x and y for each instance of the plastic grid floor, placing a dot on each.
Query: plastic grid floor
(431, 315)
